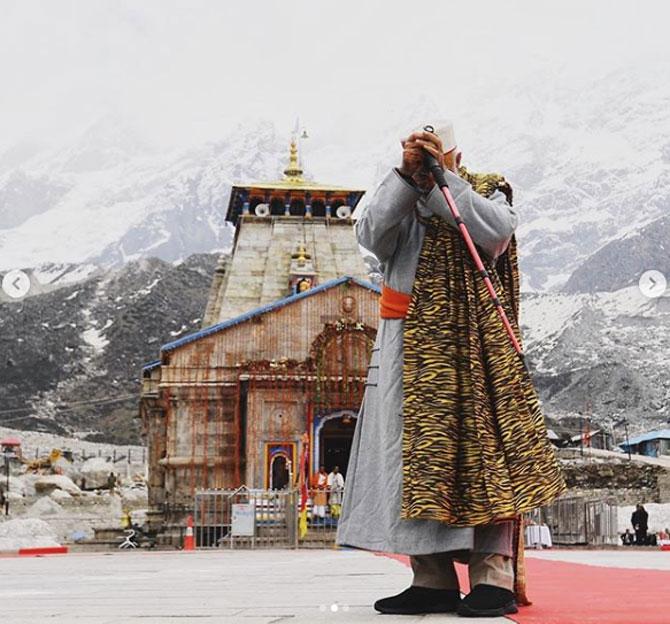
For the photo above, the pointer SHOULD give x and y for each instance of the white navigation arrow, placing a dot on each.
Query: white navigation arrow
(652, 283)
(16, 284)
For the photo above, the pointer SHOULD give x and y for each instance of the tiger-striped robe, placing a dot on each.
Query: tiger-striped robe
(475, 446)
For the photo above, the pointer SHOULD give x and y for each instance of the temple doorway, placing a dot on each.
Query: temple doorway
(279, 474)
(335, 440)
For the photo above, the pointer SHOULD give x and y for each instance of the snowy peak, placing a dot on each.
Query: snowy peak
(589, 164)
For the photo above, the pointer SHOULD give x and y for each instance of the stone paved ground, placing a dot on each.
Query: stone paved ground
(232, 587)
(229, 587)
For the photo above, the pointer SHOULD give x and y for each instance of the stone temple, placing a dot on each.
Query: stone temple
(280, 363)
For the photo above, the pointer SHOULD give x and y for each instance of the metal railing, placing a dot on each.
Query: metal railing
(323, 512)
(129, 455)
(252, 518)
(245, 517)
(577, 520)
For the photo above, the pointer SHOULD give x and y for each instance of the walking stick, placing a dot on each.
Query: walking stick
(438, 174)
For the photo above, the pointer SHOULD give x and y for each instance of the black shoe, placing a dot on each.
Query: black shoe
(487, 601)
(417, 599)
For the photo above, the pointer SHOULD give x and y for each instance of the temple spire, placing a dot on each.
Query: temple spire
(293, 172)
(294, 195)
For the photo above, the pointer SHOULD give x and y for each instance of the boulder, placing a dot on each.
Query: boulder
(46, 484)
(96, 472)
(44, 506)
(17, 485)
(26, 533)
(60, 495)
(134, 497)
(67, 468)
(29, 483)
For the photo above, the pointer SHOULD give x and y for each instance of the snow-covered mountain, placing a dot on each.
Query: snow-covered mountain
(589, 166)
(86, 336)
(108, 198)
(620, 262)
(70, 357)
(602, 354)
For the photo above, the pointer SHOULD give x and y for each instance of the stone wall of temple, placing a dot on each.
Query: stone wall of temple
(216, 404)
(272, 417)
(258, 272)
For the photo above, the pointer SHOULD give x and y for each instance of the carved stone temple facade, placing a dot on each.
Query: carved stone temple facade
(281, 359)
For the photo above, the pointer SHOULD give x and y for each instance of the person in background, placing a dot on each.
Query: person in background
(319, 486)
(111, 482)
(336, 487)
(126, 519)
(639, 520)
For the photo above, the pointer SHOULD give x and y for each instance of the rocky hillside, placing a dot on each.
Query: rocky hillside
(73, 354)
(620, 262)
(103, 222)
(602, 354)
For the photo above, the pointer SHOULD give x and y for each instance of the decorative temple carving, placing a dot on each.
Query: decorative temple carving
(302, 275)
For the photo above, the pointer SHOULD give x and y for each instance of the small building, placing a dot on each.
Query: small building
(281, 359)
(651, 444)
(10, 447)
(592, 438)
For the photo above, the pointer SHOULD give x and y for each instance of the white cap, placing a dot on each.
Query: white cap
(445, 130)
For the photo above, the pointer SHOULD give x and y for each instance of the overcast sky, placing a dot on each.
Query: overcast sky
(185, 71)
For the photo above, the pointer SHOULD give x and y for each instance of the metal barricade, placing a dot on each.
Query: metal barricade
(577, 520)
(246, 518)
(602, 522)
(323, 508)
(253, 518)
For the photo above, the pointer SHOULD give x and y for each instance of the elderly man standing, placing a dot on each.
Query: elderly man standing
(450, 446)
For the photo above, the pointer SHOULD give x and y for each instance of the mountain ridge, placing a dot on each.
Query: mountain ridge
(586, 172)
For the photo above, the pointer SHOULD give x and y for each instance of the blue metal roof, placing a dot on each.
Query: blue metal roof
(151, 365)
(646, 437)
(275, 305)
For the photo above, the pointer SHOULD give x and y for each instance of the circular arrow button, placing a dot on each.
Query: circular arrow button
(16, 283)
(652, 283)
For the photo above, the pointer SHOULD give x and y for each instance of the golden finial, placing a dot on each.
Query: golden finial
(301, 255)
(293, 171)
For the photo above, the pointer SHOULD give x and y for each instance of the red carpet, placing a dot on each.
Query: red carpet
(574, 593)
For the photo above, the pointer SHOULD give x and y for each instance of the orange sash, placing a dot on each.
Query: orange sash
(393, 303)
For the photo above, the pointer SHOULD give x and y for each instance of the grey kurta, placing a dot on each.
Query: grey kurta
(370, 516)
